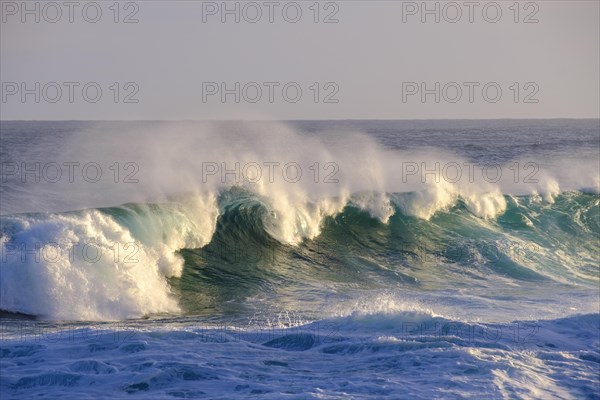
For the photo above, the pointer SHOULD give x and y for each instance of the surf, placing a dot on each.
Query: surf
(118, 262)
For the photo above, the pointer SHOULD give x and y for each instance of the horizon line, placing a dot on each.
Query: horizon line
(297, 120)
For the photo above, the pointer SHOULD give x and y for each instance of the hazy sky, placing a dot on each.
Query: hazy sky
(373, 63)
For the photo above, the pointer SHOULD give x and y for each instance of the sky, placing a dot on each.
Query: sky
(182, 60)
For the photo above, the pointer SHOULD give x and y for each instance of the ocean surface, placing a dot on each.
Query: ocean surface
(300, 260)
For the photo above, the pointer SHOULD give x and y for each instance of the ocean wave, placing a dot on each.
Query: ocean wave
(115, 263)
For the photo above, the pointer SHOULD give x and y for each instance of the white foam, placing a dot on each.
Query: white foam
(86, 266)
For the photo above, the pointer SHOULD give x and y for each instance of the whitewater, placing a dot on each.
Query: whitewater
(301, 259)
